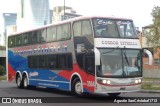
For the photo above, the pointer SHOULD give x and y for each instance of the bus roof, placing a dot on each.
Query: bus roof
(69, 20)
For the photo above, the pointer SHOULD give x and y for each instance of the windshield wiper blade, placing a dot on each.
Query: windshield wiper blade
(126, 57)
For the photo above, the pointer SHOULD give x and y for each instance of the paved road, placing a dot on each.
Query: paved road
(10, 90)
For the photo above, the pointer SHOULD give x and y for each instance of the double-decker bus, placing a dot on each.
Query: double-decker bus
(81, 55)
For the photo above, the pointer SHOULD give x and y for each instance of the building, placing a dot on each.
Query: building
(150, 70)
(11, 29)
(32, 14)
(60, 13)
(7, 20)
(2, 56)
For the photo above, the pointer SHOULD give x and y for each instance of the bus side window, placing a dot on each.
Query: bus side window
(86, 28)
(63, 32)
(77, 28)
(65, 61)
(89, 63)
(52, 61)
(43, 35)
(66, 31)
(18, 40)
(59, 32)
(25, 38)
(43, 62)
(11, 42)
(33, 37)
(51, 34)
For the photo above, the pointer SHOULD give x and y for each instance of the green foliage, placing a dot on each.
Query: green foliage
(156, 15)
(2, 71)
(150, 84)
(2, 47)
(152, 32)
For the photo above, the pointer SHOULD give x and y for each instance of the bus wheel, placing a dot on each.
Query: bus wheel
(114, 94)
(18, 81)
(25, 82)
(77, 87)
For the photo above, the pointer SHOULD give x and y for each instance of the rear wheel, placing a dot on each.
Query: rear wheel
(77, 87)
(19, 81)
(25, 82)
(114, 94)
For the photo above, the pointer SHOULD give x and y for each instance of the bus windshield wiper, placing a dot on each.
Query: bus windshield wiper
(125, 56)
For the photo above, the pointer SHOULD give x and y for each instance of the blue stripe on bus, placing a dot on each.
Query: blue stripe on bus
(20, 63)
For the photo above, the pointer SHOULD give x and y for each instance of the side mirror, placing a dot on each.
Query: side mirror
(150, 56)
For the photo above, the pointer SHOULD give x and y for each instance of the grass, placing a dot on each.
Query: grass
(151, 84)
(151, 79)
(3, 78)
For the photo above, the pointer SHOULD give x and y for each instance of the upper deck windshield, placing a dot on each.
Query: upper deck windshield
(113, 28)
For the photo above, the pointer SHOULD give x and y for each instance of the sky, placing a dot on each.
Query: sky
(138, 10)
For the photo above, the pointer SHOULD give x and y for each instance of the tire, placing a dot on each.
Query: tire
(114, 94)
(77, 87)
(25, 82)
(19, 81)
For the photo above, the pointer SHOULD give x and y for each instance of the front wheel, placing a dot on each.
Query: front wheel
(77, 87)
(114, 94)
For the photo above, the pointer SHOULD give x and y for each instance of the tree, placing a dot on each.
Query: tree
(152, 32)
(2, 71)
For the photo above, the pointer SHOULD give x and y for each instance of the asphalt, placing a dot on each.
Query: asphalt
(150, 91)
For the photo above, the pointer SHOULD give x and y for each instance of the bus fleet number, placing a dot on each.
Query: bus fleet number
(90, 83)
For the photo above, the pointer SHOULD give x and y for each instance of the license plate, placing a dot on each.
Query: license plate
(122, 88)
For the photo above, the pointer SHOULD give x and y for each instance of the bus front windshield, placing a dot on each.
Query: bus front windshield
(119, 63)
(113, 28)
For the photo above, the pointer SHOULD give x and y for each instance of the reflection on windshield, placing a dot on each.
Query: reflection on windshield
(126, 29)
(114, 63)
(112, 28)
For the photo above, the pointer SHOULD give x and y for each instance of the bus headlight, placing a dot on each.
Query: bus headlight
(108, 82)
(103, 81)
(138, 81)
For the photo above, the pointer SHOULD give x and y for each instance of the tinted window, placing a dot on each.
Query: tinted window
(33, 37)
(11, 41)
(52, 61)
(56, 61)
(18, 40)
(25, 38)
